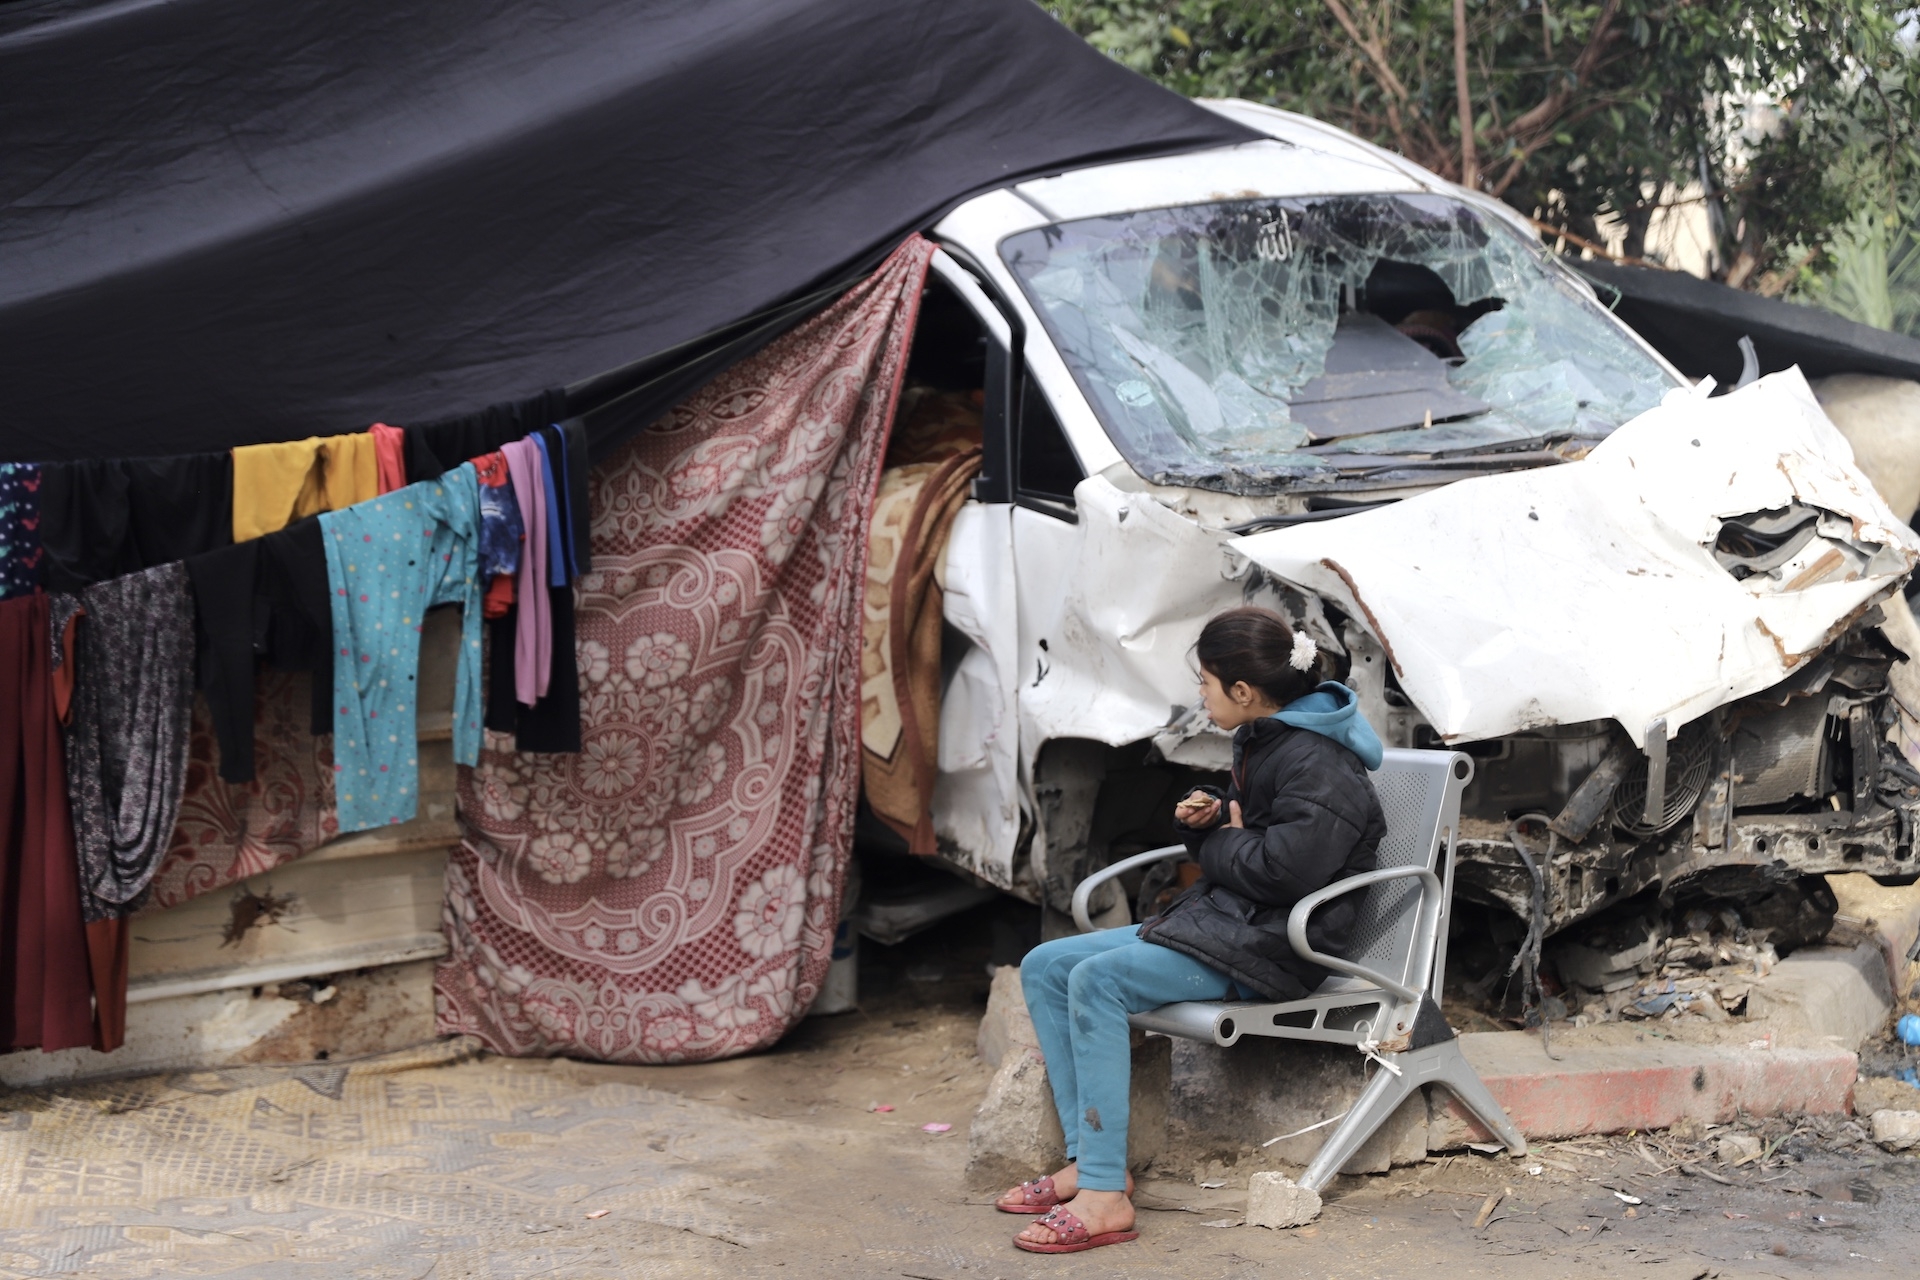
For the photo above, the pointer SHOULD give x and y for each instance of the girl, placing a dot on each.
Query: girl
(1300, 814)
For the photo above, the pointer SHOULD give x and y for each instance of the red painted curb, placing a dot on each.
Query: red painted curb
(1615, 1089)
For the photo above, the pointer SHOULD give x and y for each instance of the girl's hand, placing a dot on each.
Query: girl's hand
(1198, 810)
(1235, 820)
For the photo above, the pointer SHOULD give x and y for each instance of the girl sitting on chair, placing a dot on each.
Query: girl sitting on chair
(1299, 815)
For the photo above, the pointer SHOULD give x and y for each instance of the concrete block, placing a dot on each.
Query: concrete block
(1227, 1101)
(1896, 1130)
(1015, 1134)
(369, 1012)
(1837, 995)
(1006, 1023)
(1645, 1085)
(1273, 1200)
(1892, 915)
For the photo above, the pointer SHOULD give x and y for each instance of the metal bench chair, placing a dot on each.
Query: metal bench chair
(1383, 996)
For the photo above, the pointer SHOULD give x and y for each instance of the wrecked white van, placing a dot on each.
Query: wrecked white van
(1306, 373)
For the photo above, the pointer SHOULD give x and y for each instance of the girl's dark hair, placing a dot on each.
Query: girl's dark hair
(1255, 645)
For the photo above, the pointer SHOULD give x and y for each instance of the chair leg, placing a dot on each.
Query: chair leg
(1452, 1071)
(1378, 1101)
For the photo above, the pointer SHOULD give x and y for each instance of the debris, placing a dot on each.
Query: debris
(1896, 1130)
(1486, 1148)
(323, 994)
(1908, 1029)
(1534, 1170)
(1709, 1175)
(1212, 1186)
(1737, 1148)
(1276, 1201)
(1223, 1222)
(1624, 1198)
(935, 1128)
(1321, 1124)
(881, 1106)
(600, 1213)
(1487, 1207)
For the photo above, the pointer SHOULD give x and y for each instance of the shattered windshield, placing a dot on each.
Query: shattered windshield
(1263, 344)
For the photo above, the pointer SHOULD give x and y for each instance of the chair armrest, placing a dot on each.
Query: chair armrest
(1427, 922)
(1085, 889)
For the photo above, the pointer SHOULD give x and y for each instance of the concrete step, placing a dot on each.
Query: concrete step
(1645, 1084)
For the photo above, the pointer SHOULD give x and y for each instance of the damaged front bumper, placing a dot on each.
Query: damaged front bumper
(1684, 665)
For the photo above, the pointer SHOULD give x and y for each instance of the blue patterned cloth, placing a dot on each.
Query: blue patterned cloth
(19, 528)
(501, 530)
(388, 561)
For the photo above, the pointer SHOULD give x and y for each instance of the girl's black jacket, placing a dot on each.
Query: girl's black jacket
(1311, 818)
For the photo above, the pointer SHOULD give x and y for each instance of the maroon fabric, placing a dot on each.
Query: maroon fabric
(45, 993)
(107, 942)
(670, 893)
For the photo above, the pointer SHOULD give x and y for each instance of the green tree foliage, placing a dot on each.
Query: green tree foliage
(1582, 109)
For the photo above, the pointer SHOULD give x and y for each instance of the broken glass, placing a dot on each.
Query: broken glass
(1257, 345)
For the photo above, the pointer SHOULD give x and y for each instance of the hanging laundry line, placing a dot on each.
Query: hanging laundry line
(127, 584)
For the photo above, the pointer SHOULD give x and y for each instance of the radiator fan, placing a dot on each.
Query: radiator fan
(1689, 758)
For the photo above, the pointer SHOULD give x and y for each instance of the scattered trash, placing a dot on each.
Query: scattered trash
(933, 1128)
(1487, 1207)
(1212, 1186)
(600, 1213)
(323, 994)
(1626, 970)
(881, 1106)
(1624, 1198)
(1486, 1148)
(1534, 1170)
(1222, 1222)
(1908, 1028)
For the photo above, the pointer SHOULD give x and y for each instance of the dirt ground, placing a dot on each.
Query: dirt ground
(442, 1162)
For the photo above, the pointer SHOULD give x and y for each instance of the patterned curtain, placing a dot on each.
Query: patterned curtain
(670, 893)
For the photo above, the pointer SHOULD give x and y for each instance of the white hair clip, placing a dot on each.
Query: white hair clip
(1304, 651)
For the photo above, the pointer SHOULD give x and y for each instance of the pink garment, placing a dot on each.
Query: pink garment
(390, 450)
(533, 628)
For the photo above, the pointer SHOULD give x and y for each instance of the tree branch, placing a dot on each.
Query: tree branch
(1376, 56)
(1547, 112)
(1463, 98)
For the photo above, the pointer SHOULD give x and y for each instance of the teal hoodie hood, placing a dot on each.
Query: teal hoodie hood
(1333, 711)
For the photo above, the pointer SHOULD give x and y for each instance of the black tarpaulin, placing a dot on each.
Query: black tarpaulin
(1697, 324)
(227, 222)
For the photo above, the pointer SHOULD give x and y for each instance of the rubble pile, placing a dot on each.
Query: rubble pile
(1633, 969)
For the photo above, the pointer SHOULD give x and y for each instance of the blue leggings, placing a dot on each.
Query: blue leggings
(1079, 992)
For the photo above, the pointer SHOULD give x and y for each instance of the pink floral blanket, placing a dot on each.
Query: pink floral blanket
(670, 893)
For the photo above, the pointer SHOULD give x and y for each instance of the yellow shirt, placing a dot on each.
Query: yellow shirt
(276, 484)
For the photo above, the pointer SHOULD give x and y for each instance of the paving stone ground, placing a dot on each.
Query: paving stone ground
(444, 1163)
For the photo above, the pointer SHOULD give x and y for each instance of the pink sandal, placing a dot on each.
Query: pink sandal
(1071, 1235)
(1036, 1196)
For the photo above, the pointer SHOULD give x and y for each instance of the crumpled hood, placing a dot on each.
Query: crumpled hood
(1333, 711)
(1590, 590)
